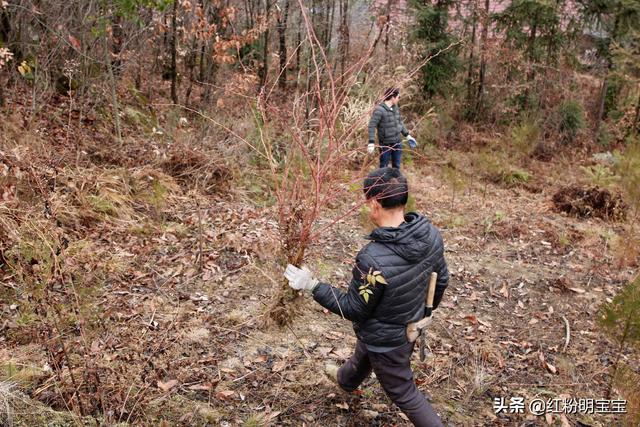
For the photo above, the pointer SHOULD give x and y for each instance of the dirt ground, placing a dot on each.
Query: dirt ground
(517, 319)
(189, 347)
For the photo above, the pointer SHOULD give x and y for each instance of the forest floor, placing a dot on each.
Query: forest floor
(179, 334)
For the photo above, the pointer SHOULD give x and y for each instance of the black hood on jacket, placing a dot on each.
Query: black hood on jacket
(411, 240)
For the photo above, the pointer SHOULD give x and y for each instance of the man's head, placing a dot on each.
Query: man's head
(386, 191)
(392, 95)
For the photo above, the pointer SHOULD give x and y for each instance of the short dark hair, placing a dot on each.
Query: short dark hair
(391, 92)
(388, 186)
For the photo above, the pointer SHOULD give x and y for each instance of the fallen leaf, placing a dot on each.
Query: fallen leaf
(578, 290)
(551, 368)
(504, 291)
(74, 42)
(224, 394)
(344, 405)
(471, 318)
(279, 366)
(168, 385)
(260, 359)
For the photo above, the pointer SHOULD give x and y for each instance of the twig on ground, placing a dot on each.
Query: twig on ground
(567, 331)
(299, 342)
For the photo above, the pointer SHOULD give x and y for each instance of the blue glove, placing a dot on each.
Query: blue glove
(412, 141)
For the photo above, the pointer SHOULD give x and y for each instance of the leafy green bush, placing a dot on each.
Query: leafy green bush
(600, 175)
(525, 137)
(604, 137)
(620, 319)
(515, 177)
(571, 120)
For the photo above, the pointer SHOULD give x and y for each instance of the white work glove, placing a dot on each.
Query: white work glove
(371, 148)
(300, 279)
(412, 141)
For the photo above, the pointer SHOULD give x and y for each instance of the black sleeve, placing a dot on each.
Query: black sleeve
(373, 124)
(365, 290)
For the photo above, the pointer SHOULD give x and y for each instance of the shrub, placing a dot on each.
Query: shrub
(525, 137)
(571, 120)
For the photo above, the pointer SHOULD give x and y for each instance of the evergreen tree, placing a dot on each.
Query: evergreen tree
(533, 27)
(615, 22)
(431, 29)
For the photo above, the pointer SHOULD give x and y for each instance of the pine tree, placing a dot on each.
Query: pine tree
(431, 29)
(621, 320)
(532, 27)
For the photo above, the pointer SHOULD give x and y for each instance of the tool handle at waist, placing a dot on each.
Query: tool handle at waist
(414, 329)
(431, 293)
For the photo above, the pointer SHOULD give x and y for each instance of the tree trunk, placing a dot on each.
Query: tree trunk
(331, 7)
(483, 59)
(344, 37)
(636, 122)
(282, 33)
(470, 72)
(5, 26)
(603, 96)
(298, 46)
(605, 80)
(114, 93)
(531, 75)
(265, 48)
(191, 66)
(386, 31)
(117, 36)
(174, 71)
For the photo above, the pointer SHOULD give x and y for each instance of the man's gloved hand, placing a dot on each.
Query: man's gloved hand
(300, 279)
(412, 141)
(371, 148)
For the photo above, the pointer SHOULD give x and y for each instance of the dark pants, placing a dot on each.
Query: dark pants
(393, 370)
(391, 152)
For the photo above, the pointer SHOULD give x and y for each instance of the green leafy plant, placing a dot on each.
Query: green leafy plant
(516, 177)
(525, 137)
(372, 279)
(600, 175)
(570, 120)
(621, 321)
(628, 168)
(455, 179)
(432, 29)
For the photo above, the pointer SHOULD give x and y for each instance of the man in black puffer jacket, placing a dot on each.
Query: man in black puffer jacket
(387, 292)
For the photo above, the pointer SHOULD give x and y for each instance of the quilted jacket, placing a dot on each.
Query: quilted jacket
(390, 280)
(389, 124)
